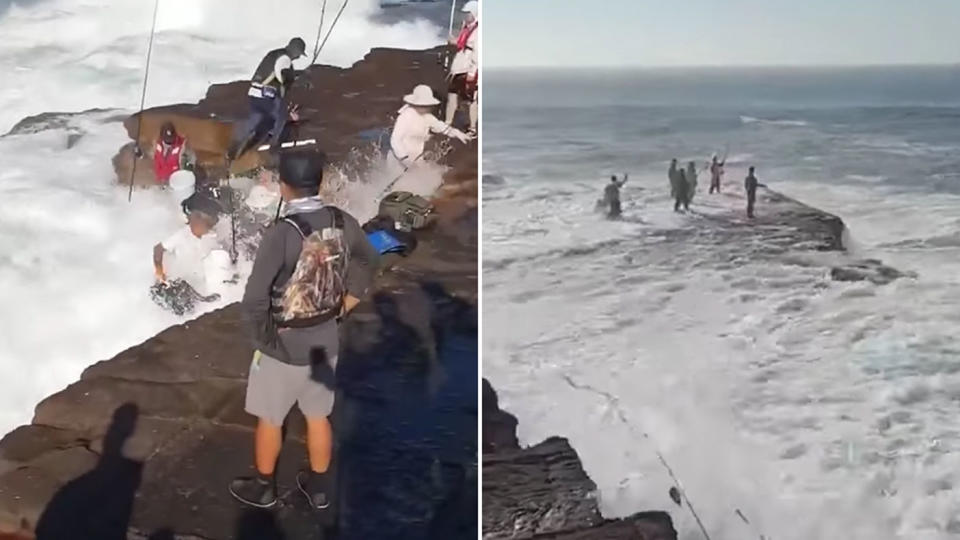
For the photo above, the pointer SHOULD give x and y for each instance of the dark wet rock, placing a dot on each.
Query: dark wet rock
(868, 270)
(61, 120)
(64, 121)
(493, 180)
(405, 420)
(543, 492)
(499, 426)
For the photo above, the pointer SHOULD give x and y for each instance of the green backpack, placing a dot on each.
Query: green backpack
(409, 211)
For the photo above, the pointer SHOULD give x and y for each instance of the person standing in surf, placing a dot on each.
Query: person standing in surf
(678, 186)
(691, 176)
(750, 184)
(465, 68)
(672, 176)
(716, 171)
(681, 196)
(611, 196)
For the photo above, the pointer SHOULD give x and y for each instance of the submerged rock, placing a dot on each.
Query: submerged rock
(870, 270)
(68, 122)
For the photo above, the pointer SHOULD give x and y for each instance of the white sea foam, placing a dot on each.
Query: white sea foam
(780, 122)
(74, 254)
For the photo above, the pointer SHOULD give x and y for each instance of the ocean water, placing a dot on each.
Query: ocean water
(787, 405)
(75, 256)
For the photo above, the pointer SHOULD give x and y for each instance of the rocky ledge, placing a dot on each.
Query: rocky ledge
(543, 492)
(343, 109)
(144, 444)
(784, 224)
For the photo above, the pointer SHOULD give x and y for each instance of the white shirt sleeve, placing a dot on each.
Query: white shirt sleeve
(474, 44)
(282, 63)
(176, 240)
(437, 125)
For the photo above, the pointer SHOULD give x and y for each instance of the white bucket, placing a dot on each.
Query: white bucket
(182, 183)
(217, 270)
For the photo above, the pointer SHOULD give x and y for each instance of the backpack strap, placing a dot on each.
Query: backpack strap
(301, 225)
(337, 217)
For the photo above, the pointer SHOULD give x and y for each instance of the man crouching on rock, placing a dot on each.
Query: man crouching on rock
(312, 267)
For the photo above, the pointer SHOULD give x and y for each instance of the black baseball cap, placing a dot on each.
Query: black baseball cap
(302, 169)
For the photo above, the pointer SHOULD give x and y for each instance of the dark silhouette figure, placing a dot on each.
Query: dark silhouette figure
(750, 184)
(407, 399)
(257, 524)
(99, 503)
(716, 172)
(611, 196)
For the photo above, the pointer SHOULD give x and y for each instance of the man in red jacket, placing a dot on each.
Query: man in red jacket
(171, 154)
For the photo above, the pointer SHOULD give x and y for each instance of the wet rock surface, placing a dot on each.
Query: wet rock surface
(870, 270)
(147, 442)
(345, 110)
(543, 492)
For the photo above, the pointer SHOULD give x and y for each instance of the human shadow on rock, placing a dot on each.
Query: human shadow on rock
(258, 525)
(98, 504)
(407, 431)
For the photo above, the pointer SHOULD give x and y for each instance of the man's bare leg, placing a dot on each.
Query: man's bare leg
(474, 113)
(261, 490)
(319, 444)
(316, 484)
(267, 445)
(452, 104)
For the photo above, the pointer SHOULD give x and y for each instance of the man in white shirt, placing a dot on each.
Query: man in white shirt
(189, 247)
(268, 87)
(414, 126)
(464, 70)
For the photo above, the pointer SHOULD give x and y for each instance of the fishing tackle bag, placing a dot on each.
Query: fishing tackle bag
(409, 211)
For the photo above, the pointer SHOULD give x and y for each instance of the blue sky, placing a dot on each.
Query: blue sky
(719, 32)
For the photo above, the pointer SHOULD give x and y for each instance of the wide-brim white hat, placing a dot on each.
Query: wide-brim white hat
(471, 7)
(422, 96)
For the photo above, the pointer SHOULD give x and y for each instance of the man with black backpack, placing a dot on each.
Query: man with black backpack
(312, 267)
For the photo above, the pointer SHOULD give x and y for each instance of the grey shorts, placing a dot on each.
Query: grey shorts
(274, 386)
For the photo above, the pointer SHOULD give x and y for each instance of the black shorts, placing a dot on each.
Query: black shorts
(461, 87)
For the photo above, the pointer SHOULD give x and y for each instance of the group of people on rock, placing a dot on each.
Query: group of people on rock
(270, 113)
(683, 183)
(308, 235)
(683, 186)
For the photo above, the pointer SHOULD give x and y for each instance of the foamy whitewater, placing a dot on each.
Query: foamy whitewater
(75, 256)
(817, 409)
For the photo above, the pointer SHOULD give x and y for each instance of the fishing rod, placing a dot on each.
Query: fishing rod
(446, 57)
(316, 53)
(399, 176)
(678, 494)
(137, 152)
(453, 10)
(316, 44)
